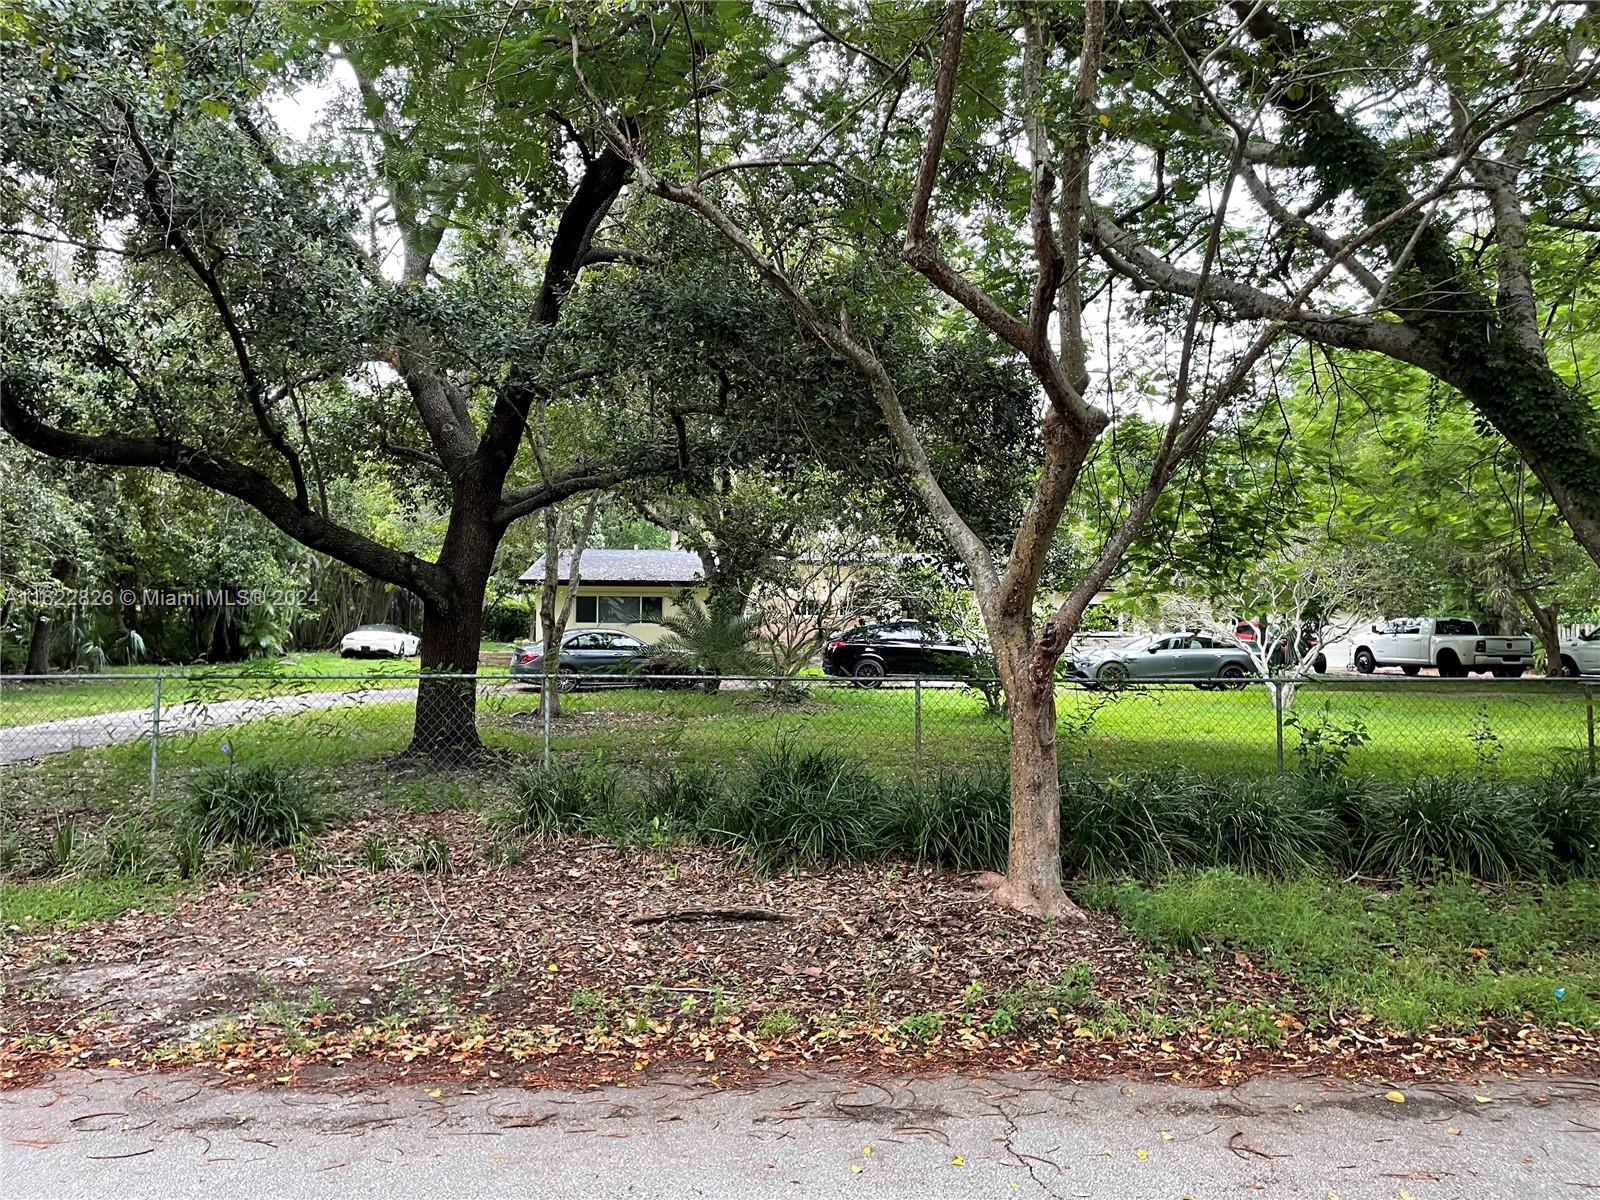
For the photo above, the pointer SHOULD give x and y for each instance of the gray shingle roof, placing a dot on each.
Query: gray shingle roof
(666, 567)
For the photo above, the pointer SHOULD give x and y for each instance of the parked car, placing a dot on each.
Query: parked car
(1452, 644)
(872, 652)
(599, 658)
(379, 640)
(1199, 658)
(1581, 655)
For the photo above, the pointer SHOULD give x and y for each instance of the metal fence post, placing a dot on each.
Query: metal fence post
(917, 725)
(1588, 698)
(156, 735)
(1277, 713)
(544, 713)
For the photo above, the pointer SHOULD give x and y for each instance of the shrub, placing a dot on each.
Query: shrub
(1454, 824)
(1133, 824)
(548, 801)
(1565, 806)
(780, 1022)
(809, 807)
(63, 844)
(261, 804)
(507, 620)
(433, 857)
(188, 853)
(924, 1027)
(1262, 827)
(11, 853)
(960, 820)
(125, 848)
(1323, 742)
(684, 795)
(376, 852)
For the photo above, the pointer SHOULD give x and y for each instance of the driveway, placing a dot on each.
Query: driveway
(94, 1134)
(19, 743)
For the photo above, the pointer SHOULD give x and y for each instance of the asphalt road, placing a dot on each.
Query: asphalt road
(110, 1134)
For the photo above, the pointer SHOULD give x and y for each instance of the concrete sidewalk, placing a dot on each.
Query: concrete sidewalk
(111, 1134)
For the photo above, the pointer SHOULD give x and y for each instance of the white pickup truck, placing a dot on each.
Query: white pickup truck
(1581, 655)
(1452, 644)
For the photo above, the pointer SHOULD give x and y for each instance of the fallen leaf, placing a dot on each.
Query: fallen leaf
(1166, 1135)
(1142, 1153)
(866, 1149)
(1483, 1099)
(1395, 1097)
(1453, 1131)
(958, 1161)
(855, 1168)
(435, 1092)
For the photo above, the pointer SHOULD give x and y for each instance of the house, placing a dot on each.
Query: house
(629, 590)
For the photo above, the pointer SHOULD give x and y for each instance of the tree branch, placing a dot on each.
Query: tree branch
(232, 478)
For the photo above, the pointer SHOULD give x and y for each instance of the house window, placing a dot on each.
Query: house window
(617, 610)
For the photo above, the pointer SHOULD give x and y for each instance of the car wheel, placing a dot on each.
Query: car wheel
(1320, 664)
(1232, 675)
(1412, 670)
(1569, 667)
(566, 684)
(1364, 662)
(347, 654)
(1112, 673)
(867, 673)
(1508, 672)
(1450, 667)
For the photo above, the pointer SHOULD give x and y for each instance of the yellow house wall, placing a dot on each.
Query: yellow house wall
(646, 631)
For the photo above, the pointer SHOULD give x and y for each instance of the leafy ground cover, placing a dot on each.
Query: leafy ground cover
(584, 959)
(569, 922)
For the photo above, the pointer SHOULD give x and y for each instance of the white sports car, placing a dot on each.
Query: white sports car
(388, 640)
(1581, 655)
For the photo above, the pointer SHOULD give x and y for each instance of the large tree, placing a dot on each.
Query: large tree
(259, 310)
(1434, 170)
(832, 154)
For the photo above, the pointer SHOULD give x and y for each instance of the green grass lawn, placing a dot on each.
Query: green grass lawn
(1445, 956)
(1419, 730)
(1413, 730)
(119, 689)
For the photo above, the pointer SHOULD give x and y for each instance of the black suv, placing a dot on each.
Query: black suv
(870, 653)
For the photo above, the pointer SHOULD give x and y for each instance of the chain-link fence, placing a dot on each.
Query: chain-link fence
(85, 740)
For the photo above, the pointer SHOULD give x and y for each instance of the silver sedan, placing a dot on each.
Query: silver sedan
(1198, 658)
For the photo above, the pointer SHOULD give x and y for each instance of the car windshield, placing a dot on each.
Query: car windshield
(379, 629)
(1592, 636)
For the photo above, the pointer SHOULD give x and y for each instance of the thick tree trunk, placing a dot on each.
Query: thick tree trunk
(447, 693)
(1033, 856)
(39, 647)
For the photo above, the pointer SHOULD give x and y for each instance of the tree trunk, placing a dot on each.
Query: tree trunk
(447, 692)
(1546, 621)
(553, 620)
(39, 647)
(1033, 855)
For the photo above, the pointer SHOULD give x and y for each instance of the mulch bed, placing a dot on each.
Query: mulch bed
(545, 971)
